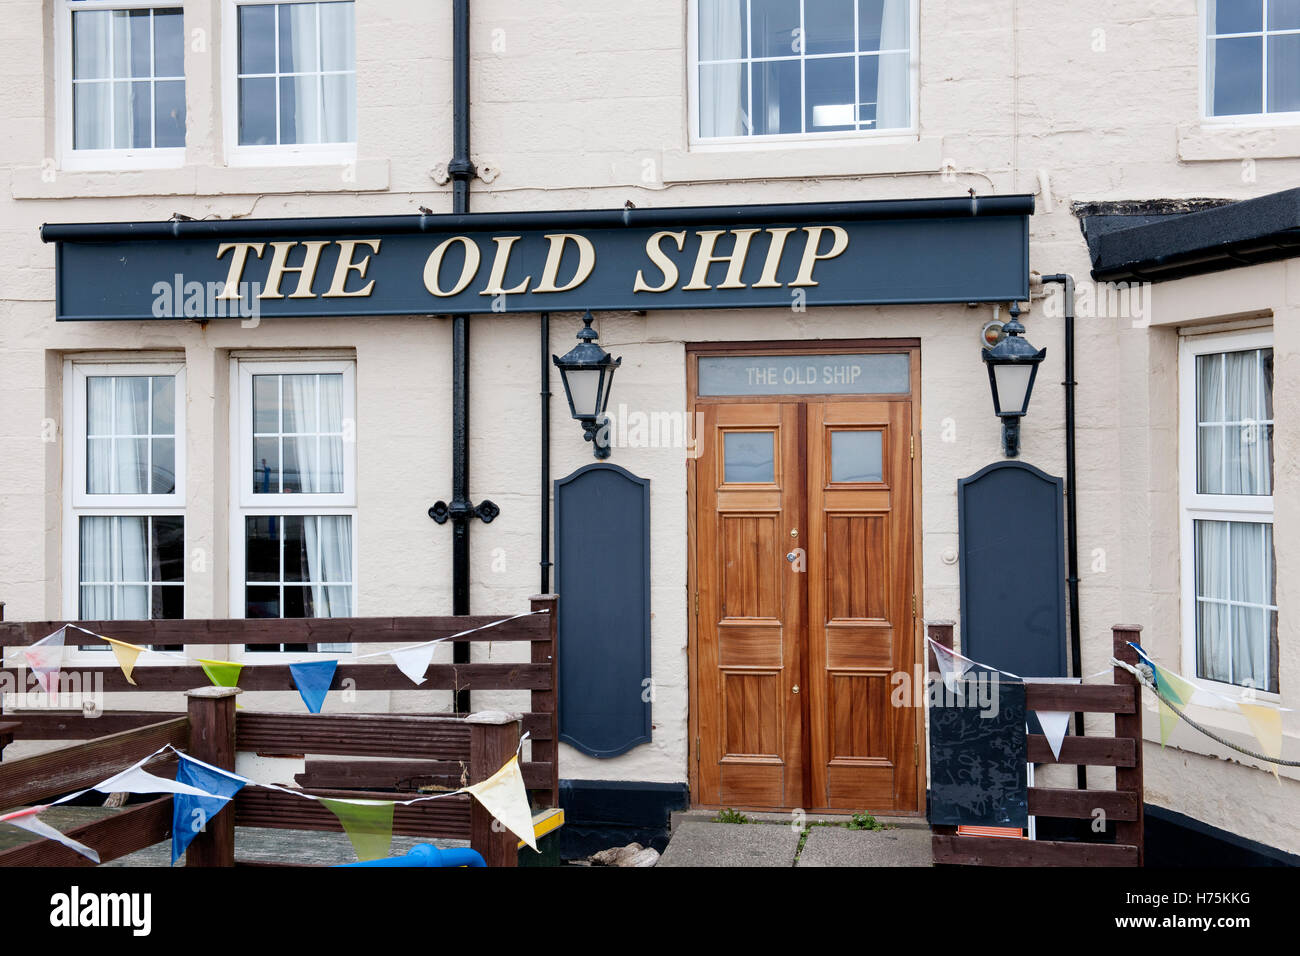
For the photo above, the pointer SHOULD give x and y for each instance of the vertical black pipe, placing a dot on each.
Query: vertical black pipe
(1071, 508)
(546, 452)
(462, 171)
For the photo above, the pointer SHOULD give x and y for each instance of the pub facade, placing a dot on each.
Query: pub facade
(303, 299)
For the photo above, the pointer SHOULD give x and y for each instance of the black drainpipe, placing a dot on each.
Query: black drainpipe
(1071, 510)
(461, 510)
(545, 562)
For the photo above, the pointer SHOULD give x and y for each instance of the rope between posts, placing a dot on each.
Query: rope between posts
(1150, 685)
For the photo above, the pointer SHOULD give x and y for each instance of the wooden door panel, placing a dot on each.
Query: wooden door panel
(751, 608)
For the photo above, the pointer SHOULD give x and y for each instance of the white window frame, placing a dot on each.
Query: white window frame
(1195, 506)
(288, 154)
(799, 140)
(1291, 118)
(77, 504)
(157, 157)
(246, 504)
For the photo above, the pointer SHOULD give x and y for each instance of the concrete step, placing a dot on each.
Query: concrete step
(787, 819)
(697, 841)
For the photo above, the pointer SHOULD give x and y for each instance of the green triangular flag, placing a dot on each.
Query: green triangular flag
(221, 673)
(368, 824)
(1177, 690)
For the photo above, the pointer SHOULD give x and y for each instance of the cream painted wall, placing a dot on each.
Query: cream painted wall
(584, 106)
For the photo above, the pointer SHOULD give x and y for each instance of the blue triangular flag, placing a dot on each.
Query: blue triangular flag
(190, 814)
(313, 681)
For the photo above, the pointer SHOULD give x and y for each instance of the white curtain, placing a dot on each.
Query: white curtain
(722, 87)
(331, 425)
(338, 52)
(114, 551)
(894, 87)
(1234, 562)
(329, 544)
(299, 94)
(300, 398)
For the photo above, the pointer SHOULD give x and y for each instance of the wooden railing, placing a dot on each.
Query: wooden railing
(412, 752)
(1123, 751)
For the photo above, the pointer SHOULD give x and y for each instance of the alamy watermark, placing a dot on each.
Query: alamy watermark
(179, 299)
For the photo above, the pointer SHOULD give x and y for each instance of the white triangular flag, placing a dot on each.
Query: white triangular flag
(29, 821)
(503, 795)
(1054, 723)
(951, 665)
(414, 661)
(139, 780)
(45, 658)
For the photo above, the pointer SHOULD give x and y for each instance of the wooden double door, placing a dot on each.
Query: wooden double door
(805, 606)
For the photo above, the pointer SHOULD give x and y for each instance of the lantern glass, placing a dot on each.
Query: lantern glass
(583, 386)
(1012, 381)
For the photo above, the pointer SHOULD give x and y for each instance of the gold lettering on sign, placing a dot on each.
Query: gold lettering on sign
(653, 249)
(586, 262)
(338, 288)
(501, 262)
(705, 258)
(773, 261)
(306, 272)
(433, 266)
(239, 256)
(839, 242)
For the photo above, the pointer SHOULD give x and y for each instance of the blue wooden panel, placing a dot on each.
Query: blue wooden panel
(602, 569)
(1011, 523)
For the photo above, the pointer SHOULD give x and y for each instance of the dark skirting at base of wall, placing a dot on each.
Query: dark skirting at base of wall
(1175, 840)
(599, 814)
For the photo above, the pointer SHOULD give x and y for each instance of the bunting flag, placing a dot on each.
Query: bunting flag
(951, 665)
(313, 679)
(1055, 724)
(414, 661)
(190, 814)
(368, 824)
(29, 820)
(1266, 722)
(126, 655)
(138, 780)
(45, 658)
(221, 673)
(1177, 690)
(503, 795)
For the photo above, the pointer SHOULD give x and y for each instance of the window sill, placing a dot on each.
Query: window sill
(363, 175)
(1210, 142)
(846, 158)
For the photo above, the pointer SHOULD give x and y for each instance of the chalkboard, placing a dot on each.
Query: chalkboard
(978, 752)
(1011, 532)
(602, 574)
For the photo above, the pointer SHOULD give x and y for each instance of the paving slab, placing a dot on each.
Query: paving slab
(837, 846)
(731, 844)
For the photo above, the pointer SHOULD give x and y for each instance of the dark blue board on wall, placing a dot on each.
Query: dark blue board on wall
(602, 572)
(1011, 527)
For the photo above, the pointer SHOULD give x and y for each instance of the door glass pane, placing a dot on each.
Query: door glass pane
(857, 456)
(749, 457)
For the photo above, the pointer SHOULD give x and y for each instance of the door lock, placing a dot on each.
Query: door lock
(792, 557)
(795, 689)
(794, 532)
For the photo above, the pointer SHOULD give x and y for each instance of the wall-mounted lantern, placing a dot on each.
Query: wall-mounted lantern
(1013, 365)
(588, 372)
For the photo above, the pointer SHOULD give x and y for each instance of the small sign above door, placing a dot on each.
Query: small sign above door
(862, 374)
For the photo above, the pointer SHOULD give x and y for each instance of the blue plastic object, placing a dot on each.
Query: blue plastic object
(426, 854)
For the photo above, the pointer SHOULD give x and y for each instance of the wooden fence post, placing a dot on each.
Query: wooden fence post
(212, 740)
(1130, 725)
(493, 739)
(548, 701)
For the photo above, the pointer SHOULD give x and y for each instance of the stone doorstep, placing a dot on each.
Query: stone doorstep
(678, 817)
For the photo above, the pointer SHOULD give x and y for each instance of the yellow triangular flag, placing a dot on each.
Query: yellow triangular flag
(503, 795)
(1266, 722)
(126, 655)
(368, 824)
(1180, 691)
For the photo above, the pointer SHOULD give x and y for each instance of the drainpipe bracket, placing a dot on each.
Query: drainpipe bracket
(459, 511)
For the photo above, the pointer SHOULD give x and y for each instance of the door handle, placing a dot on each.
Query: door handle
(792, 557)
(795, 689)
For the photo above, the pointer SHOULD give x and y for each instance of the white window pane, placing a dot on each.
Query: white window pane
(298, 42)
(266, 404)
(266, 466)
(338, 36)
(99, 466)
(91, 50)
(131, 468)
(1249, 647)
(1236, 67)
(257, 39)
(1213, 650)
(1284, 14)
(169, 113)
(749, 457)
(164, 405)
(131, 405)
(339, 108)
(132, 52)
(1210, 477)
(722, 26)
(92, 116)
(828, 27)
(1284, 73)
(1240, 387)
(96, 554)
(1236, 16)
(1209, 388)
(131, 603)
(331, 403)
(776, 97)
(96, 603)
(300, 109)
(1212, 570)
(1246, 546)
(722, 100)
(884, 91)
(257, 111)
(335, 548)
(775, 27)
(99, 405)
(330, 471)
(828, 95)
(133, 549)
(133, 115)
(300, 396)
(883, 25)
(163, 471)
(299, 464)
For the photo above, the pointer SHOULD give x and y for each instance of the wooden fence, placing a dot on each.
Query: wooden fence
(432, 751)
(1123, 751)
